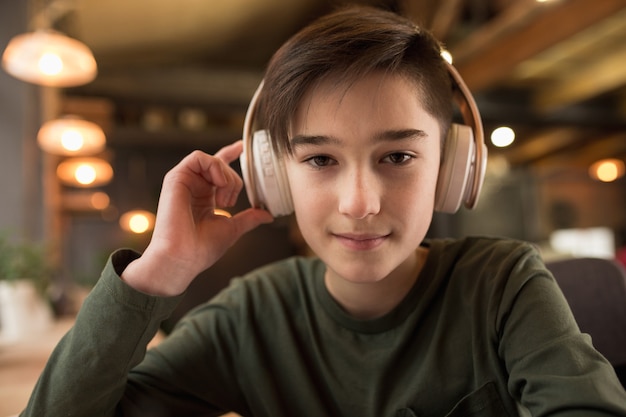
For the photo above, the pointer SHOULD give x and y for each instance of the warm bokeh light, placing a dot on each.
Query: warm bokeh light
(221, 212)
(72, 140)
(71, 136)
(137, 221)
(607, 170)
(85, 172)
(50, 64)
(49, 58)
(502, 136)
(84, 201)
(100, 200)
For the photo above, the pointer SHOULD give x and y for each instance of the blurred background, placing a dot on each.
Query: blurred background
(174, 76)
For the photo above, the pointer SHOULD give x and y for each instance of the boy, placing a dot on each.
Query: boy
(382, 323)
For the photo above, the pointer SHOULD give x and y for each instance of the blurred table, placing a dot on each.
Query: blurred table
(21, 364)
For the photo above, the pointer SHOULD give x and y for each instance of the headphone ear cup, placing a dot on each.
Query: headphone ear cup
(270, 176)
(455, 172)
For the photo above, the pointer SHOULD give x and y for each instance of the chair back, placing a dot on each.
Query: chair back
(595, 289)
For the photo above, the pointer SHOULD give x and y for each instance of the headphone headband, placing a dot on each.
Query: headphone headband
(471, 116)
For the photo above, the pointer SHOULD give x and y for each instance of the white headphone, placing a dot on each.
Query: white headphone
(461, 173)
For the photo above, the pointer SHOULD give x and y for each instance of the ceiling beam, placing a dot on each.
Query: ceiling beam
(184, 85)
(488, 56)
(438, 17)
(547, 142)
(590, 81)
(600, 147)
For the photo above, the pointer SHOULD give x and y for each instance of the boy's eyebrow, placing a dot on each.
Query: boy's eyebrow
(387, 135)
(401, 134)
(299, 140)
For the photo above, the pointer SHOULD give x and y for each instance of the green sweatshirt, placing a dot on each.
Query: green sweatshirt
(485, 331)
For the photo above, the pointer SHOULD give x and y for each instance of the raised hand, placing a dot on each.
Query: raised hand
(188, 236)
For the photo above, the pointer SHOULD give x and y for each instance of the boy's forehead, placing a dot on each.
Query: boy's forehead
(374, 103)
(374, 89)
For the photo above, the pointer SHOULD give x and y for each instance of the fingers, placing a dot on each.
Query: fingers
(231, 152)
(249, 219)
(203, 173)
(232, 184)
(207, 180)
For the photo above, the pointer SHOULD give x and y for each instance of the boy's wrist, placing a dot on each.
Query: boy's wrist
(154, 275)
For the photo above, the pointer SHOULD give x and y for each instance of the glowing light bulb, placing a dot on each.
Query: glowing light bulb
(50, 64)
(138, 223)
(607, 170)
(72, 140)
(502, 136)
(85, 174)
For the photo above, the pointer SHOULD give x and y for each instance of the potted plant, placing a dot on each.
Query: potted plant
(24, 278)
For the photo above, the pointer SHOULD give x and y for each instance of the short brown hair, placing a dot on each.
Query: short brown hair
(346, 45)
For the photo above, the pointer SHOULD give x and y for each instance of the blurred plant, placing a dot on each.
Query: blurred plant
(26, 261)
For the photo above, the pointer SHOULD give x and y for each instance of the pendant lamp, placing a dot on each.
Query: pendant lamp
(71, 136)
(49, 58)
(85, 172)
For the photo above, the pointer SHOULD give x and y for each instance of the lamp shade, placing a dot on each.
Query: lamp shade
(85, 172)
(71, 136)
(49, 58)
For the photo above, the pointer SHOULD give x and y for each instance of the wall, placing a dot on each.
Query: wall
(21, 213)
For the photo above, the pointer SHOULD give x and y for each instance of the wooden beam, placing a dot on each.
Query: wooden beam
(547, 142)
(513, 19)
(438, 17)
(183, 85)
(586, 46)
(522, 31)
(590, 81)
(446, 15)
(598, 147)
(421, 13)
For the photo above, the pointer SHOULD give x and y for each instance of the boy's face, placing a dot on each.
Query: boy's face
(363, 175)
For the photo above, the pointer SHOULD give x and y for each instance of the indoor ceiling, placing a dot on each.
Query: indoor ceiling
(554, 71)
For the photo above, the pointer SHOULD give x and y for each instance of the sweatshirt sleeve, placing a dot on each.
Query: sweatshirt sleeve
(554, 369)
(87, 372)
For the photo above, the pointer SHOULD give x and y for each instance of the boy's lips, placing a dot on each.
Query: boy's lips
(361, 241)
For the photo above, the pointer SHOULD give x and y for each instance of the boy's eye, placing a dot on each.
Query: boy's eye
(319, 161)
(397, 158)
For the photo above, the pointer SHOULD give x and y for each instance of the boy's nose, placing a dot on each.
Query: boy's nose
(359, 195)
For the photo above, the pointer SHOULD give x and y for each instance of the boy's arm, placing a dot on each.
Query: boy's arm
(554, 368)
(87, 372)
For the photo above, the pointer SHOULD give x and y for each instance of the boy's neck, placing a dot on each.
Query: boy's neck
(373, 300)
